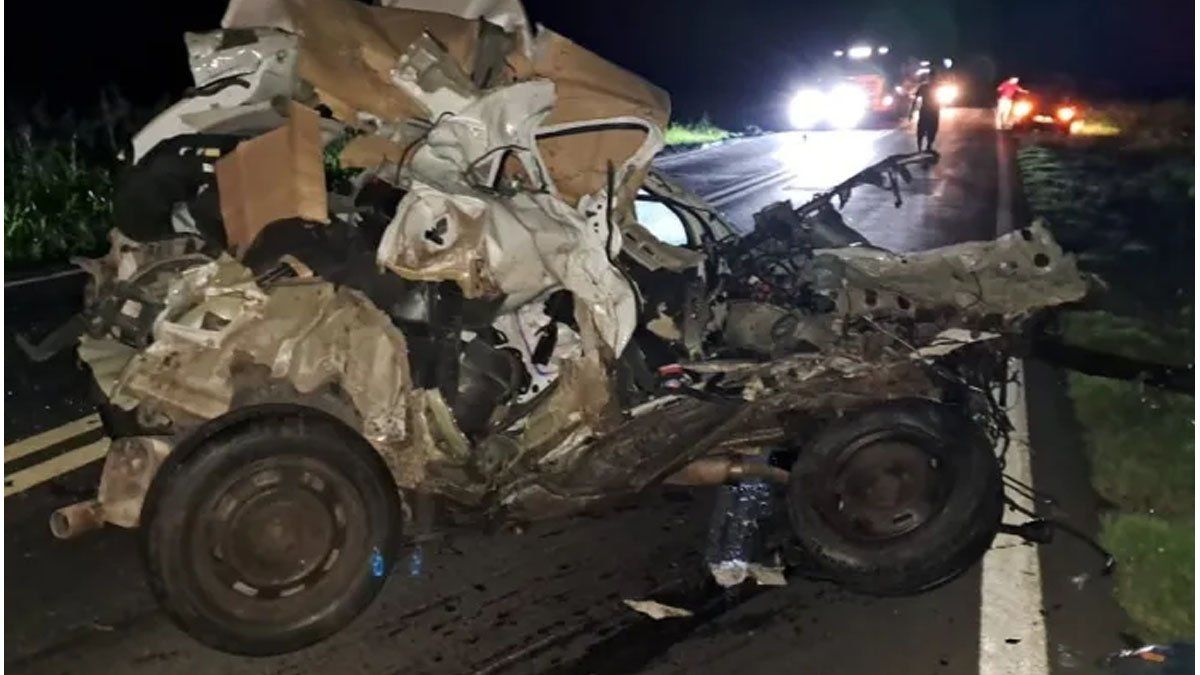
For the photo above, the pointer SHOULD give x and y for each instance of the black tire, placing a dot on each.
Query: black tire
(272, 534)
(896, 499)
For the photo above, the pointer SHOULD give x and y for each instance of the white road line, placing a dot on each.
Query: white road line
(40, 473)
(1012, 628)
(44, 277)
(46, 439)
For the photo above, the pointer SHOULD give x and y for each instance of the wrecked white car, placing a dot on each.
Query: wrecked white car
(387, 269)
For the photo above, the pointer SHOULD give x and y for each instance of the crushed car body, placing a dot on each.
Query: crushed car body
(407, 237)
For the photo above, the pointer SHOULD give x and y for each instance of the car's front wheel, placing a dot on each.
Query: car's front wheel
(271, 534)
(896, 499)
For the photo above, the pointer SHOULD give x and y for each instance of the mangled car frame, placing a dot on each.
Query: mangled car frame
(388, 265)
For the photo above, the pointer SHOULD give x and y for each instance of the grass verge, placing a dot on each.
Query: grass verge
(1156, 578)
(1124, 203)
(57, 201)
(695, 133)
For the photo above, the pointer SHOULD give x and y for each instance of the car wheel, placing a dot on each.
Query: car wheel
(272, 534)
(896, 499)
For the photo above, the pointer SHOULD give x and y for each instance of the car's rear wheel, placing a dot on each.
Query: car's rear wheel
(896, 499)
(272, 534)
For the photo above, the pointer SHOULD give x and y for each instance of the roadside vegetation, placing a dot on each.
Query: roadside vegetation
(695, 133)
(58, 180)
(1123, 200)
(57, 200)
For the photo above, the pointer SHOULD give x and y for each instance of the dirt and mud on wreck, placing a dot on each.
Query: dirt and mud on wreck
(388, 268)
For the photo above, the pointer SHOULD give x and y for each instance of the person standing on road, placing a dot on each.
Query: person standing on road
(925, 100)
(1007, 92)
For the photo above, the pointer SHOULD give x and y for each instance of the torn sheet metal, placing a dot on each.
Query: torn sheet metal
(231, 69)
(439, 237)
(582, 405)
(652, 253)
(464, 151)
(657, 610)
(309, 335)
(836, 380)
(224, 54)
(574, 248)
(429, 74)
(507, 14)
(597, 112)
(106, 359)
(1010, 277)
(575, 254)
(772, 330)
(523, 331)
(432, 454)
(537, 145)
(348, 50)
(951, 340)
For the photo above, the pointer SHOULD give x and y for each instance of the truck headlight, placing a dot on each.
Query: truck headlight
(807, 109)
(847, 106)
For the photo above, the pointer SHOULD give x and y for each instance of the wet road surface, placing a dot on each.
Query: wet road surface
(549, 599)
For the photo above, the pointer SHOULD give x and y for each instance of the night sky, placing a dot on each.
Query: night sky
(735, 61)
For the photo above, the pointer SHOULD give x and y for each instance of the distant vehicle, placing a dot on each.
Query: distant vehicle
(1045, 108)
(858, 85)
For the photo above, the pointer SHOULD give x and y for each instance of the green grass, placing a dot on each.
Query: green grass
(1155, 573)
(1164, 342)
(1126, 211)
(57, 200)
(1124, 204)
(1140, 441)
(703, 131)
(1145, 125)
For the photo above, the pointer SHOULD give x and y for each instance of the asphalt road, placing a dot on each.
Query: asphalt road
(549, 599)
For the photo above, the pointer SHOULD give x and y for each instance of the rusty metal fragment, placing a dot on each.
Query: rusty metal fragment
(1010, 277)
(128, 470)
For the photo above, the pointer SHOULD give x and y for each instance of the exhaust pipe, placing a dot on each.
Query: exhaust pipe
(720, 470)
(71, 521)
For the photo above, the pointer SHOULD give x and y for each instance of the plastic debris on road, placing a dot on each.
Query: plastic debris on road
(657, 610)
(734, 537)
(1178, 658)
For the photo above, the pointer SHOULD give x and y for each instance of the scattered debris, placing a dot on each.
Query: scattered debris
(765, 575)
(1068, 658)
(478, 296)
(1174, 659)
(734, 538)
(657, 610)
(1079, 580)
